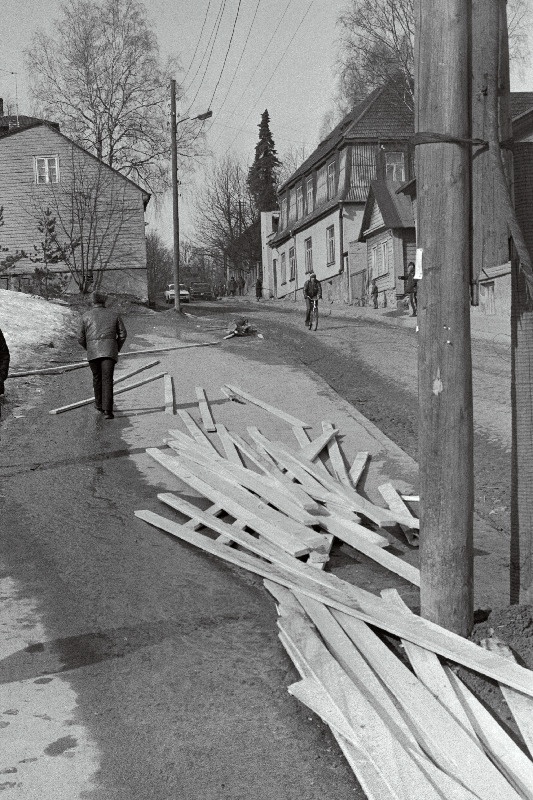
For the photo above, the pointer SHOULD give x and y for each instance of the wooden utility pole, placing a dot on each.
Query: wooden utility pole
(442, 76)
(175, 206)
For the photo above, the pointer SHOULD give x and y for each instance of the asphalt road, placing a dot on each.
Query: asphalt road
(128, 671)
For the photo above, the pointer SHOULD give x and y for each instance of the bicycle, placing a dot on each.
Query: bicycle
(313, 314)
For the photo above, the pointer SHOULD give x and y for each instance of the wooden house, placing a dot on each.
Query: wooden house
(98, 212)
(388, 229)
(321, 205)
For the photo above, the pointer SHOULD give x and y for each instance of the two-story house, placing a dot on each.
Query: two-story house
(321, 205)
(98, 212)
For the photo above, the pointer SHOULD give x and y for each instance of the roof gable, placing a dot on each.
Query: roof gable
(396, 210)
(55, 129)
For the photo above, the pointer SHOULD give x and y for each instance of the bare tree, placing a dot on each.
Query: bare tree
(225, 212)
(94, 209)
(99, 74)
(291, 159)
(377, 39)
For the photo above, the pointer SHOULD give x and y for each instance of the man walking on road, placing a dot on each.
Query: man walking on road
(102, 334)
(312, 289)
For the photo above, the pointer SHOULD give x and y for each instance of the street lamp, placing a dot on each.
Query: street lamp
(175, 208)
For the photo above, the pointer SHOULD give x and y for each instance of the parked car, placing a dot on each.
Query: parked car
(170, 294)
(201, 291)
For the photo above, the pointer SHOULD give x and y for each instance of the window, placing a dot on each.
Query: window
(299, 202)
(330, 244)
(292, 263)
(308, 255)
(321, 189)
(283, 213)
(331, 180)
(283, 269)
(309, 195)
(292, 205)
(46, 169)
(374, 262)
(395, 167)
(383, 265)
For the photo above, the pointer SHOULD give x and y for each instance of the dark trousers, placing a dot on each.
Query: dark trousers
(102, 370)
(308, 305)
(4, 369)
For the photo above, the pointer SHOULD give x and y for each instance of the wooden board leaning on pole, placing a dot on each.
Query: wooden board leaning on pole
(361, 604)
(267, 407)
(115, 392)
(81, 364)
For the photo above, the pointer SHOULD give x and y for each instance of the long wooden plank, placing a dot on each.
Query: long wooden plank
(122, 389)
(205, 412)
(349, 497)
(369, 774)
(312, 449)
(430, 671)
(439, 733)
(231, 451)
(501, 748)
(195, 430)
(361, 604)
(251, 454)
(238, 506)
(520, 706)
(240, 477)
(125, 375)
(267, 407)
(335, 455)
(354, 705)
(168, 348)
(358, 467)
(170, 406)
(302, 438)
(393, 499)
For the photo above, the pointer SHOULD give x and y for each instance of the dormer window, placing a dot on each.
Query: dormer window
(46, 169)
(331, 179)
(395, 167)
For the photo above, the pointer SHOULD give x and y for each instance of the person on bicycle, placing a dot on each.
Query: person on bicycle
(312, 289)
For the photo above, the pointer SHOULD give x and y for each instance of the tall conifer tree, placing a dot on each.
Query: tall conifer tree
(262, 174)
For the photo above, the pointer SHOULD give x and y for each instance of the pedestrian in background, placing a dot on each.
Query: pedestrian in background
(258, 289)
(4, 362)
(232, 286)
(241, 284)
(102, 333)
(375, 293)
(411, 287)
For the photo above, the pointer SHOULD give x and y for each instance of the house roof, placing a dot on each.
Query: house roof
(11, 122)
(396, 209)
(52, 126)
(381, 115)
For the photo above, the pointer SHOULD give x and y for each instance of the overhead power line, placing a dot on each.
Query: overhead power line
(209, 47)
(263, 90)
(227, 53)
(197, 43)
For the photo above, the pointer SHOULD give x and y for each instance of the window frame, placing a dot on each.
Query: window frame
(46, 159)
(283, 213)
(292, 263)
(283, 267)
(330, 180)
(330, 245)
(310, 191)
(395, 166)
(299, 202)
(308, 249)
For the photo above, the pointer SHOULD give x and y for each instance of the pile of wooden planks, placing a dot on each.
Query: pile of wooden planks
(407, 731)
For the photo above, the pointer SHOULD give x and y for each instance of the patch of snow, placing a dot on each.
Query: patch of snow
(28, 321)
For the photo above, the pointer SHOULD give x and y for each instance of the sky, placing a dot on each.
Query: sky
(281, 57)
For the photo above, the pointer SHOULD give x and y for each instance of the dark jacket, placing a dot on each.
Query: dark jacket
(312, 291)
(411, 283)
(102, 333)
(4, 358)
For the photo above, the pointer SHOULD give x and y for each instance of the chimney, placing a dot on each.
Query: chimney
(1, 106)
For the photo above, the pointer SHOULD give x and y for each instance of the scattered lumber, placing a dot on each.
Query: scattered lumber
(90, 400)
(225, 391)
(267, 407)
(230, 449)
(313, 448)
(205, 412)
(358, 467)
(195, 430)
(335, 456)
(302, 438)
(168, 348)
(170, 404)
(124, 376)
(395, 502)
